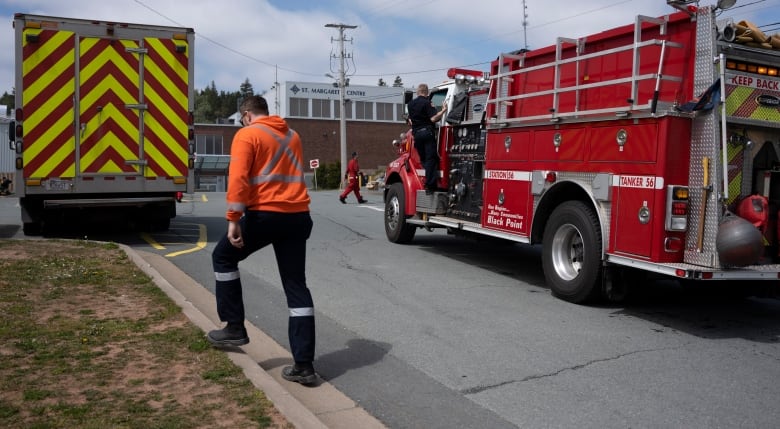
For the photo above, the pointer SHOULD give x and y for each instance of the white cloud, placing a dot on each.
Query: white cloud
(417, 39)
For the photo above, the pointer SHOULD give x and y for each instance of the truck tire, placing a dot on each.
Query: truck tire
(32, 228)
(396, 228)
(571, 255)
(163, 224)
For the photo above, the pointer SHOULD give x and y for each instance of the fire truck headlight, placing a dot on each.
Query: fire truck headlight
(396, 143)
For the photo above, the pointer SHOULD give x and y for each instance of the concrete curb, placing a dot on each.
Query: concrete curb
(295, 412)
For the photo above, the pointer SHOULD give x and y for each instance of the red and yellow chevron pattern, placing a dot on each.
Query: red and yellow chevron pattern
(81, 97)
(742, 102)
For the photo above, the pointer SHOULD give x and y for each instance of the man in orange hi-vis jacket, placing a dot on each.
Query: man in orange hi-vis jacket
(353, 170)
(267, 203)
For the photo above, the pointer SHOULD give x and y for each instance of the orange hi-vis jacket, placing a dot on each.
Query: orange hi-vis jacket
(266, 169)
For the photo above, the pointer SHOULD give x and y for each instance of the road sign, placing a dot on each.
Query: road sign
(314, 163)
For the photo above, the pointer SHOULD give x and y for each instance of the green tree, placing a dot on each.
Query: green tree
(206, 102)
(7, 100)
(329, 175)
(211, 104)
(245, 90)
(228, 103)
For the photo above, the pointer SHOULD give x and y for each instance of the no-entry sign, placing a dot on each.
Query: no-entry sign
(314, 163)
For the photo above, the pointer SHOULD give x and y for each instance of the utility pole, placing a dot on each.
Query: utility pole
(525, 25)
(342, 100)
(276, 91)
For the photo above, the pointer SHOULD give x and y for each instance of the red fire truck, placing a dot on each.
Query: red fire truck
(648, 148)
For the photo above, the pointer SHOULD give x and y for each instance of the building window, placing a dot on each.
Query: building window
(299, 107)
(348, 109)
(364, 110)
(208, 144)
(385, 111)
(320, 108)
(400, 111)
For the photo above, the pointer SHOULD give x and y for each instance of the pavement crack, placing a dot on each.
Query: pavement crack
(480, 389)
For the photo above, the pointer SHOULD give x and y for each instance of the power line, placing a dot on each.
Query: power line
(223, 46)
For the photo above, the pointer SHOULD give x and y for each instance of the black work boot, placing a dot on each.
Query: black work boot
(343, 200)
(230, 335)
(300, 373)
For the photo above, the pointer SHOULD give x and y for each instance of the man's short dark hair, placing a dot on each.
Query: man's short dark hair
(255, 104)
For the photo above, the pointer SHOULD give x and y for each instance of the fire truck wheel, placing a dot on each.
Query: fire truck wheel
(571, 256)
(396, 228)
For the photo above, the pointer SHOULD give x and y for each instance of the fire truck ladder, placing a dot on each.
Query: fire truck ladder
(505, 76)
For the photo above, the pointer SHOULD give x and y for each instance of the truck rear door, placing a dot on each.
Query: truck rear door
(105, 101)
(133, 107)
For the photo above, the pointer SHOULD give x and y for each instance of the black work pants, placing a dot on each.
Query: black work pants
(425, 143)
(287, 233)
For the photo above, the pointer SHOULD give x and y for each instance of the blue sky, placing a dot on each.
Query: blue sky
(271, 41)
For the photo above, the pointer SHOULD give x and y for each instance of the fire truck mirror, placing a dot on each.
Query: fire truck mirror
(12, 134)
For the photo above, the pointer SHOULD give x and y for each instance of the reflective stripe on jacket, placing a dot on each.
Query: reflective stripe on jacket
(266, 169)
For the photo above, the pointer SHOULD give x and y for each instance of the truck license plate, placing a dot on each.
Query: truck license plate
(57, 185)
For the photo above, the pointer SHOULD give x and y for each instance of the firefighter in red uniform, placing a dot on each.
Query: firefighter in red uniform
(353, 169)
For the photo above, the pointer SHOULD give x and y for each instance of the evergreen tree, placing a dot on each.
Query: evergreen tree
(245, 90)
(206, 103)
(212, 105)
(7, 100)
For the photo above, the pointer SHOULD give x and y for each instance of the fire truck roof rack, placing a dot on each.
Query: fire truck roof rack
(512, 68)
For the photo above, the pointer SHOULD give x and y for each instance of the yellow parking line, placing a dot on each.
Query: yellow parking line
(152, 242)
(200, 244)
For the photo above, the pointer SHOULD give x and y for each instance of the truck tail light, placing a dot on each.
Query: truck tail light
(679, 208)
(676, 208)
(673, 245)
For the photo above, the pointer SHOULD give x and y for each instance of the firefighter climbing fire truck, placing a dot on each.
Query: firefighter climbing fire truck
(103, 120)
(652, 148)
